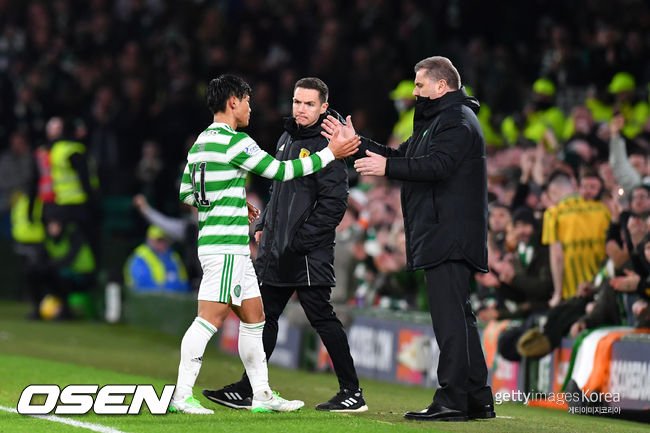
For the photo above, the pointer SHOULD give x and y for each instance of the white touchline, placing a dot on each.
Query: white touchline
(73, 422)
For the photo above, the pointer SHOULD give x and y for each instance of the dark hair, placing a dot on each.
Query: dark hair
(222, 88)
(440, 68)
(315, 84)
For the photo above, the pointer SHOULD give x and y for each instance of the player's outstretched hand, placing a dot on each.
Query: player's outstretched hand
(343, 147)
(331, 124)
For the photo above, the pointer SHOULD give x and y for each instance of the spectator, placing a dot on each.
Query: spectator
(155, 266)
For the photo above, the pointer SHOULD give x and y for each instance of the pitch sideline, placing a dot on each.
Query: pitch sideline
(87, 425)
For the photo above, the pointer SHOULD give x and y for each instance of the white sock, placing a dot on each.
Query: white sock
(251, 352)
(192, 348)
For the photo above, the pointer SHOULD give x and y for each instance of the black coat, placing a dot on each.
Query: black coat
(299, 222)
(444, 189)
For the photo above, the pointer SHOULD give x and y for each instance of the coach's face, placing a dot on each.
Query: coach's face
(427, 87)
(242, 110)
(307, 107)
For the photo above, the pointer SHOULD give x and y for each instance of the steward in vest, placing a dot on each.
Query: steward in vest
(155, 266)
(72, 264)
(635, 111)
(66, 183)
(541, 116)
(491, 136)
(28, 233)
(404, 101)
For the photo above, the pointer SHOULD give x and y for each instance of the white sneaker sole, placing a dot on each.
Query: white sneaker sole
(360, 409)
(291, 408)
(230, 405)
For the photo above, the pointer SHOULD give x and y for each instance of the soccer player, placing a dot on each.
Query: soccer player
(213, 181)
(296, 250)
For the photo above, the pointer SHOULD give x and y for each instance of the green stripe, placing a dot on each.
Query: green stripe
(184, 195)
(223, 277)
(228, 277)
(223, 240)
(279, 175)
(240, 159)
(316, 161)
(186, 178)
(224, 221)
(229, 201)
(297, 167)
(209, 147)
(205, 326)
(263, 164)
(238, 137)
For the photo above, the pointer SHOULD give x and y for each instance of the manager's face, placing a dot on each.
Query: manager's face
(307, 106)
(427, 87)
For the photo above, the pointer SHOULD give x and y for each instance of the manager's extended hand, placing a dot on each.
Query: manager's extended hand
(373, 165)
(343, 147)
(331, 124)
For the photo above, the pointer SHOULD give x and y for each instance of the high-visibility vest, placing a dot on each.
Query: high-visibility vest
(84, 261)
(24, 229)
(65, 179)
(403, 129)
(155, 265)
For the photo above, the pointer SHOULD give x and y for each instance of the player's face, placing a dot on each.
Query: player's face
(427, 87)
(243, 111)
(307, 107)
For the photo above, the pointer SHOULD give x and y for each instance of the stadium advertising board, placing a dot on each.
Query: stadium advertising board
(629, 374)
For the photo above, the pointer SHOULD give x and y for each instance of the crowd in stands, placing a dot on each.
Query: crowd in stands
(564, 112)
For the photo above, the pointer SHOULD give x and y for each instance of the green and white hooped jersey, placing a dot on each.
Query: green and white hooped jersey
(214, 181)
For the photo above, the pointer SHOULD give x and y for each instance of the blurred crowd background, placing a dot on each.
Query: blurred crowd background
(563, 87)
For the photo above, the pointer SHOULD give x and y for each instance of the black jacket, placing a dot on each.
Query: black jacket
(444, 189)
(299, 222)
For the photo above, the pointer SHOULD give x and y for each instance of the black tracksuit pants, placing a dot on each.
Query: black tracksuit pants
(462, 372)
(315, 301)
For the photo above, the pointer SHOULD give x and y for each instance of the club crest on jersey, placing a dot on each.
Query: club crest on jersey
(304, 153)
(237, 290)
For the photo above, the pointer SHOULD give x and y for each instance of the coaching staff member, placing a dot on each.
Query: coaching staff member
(296, 251)
(444, 201)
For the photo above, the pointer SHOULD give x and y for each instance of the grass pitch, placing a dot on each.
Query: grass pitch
(95, 353)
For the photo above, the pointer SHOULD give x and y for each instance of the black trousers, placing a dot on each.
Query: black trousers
(462, 372)
(315, 301)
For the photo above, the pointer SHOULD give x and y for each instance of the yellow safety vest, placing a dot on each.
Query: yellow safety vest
(24, 229)
(65, 179)
(403, 129)
(83, 263)
(155, 265)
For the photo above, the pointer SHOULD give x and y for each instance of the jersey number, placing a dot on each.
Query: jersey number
(199, 190)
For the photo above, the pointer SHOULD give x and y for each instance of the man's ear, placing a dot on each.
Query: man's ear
(232, 102)
(323, 107)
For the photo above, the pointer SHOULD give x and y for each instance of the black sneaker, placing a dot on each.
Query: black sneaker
(233, 396)
(345, 401)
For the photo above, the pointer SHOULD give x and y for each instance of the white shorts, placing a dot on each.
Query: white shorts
(228, 277)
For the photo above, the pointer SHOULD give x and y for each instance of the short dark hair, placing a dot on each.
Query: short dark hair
(440, 68)
(222, 88)
(315, 84)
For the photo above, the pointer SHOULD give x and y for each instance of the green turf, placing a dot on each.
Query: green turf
(67, 353)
